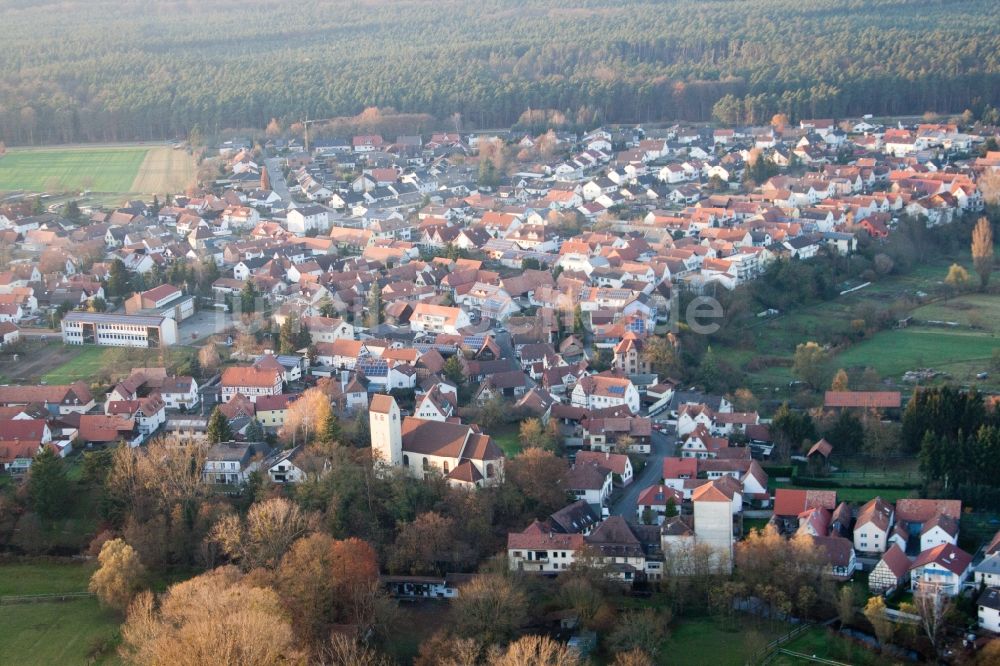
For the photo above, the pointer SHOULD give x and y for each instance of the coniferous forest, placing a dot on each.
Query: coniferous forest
(111, 70)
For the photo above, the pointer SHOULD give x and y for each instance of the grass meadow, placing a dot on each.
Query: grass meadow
(112, 169)
(78, 631)
(103, 169)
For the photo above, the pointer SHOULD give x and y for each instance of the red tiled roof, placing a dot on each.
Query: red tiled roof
(952, 558)
(896, 560)
(923, 510)
(792, 502)
(538, 537)
(676, 468)
(865, 399)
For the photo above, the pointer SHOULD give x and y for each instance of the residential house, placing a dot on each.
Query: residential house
(989, 609)
(943, 567)
(655, 502)
(873, 526)
(232, 463)
(618, 463)
(250, 381)
(891, 572)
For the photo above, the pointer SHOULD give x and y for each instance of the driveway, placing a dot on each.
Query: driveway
(661, 447)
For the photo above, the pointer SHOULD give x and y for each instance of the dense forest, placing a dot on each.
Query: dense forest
(105, 70)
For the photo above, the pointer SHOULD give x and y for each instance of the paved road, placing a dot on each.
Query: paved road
(278, 183)
(628, 501)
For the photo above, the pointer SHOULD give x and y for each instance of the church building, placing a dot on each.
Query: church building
(460, 453)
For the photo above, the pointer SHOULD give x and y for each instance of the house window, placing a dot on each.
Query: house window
(426, 465)
(445, 466)
(406, 460)
(490, 473)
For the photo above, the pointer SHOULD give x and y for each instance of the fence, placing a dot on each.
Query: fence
(763, 655)
(813, 658)
(41, 598)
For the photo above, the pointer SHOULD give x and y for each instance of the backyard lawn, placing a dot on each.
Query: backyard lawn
(508, 440)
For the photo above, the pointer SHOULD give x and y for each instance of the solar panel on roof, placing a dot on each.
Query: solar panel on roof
(616, 390)
(372, 367)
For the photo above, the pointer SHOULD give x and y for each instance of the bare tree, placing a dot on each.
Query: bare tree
(208, 357)
(534, 651)
(933, 606)
(345, 651)
(443, 649)
(168, 470)
(492, 607)
(634, 657)
(265, 535)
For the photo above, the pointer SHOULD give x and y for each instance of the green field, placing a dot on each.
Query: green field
(43, 578)
(766, 351)
(53, 632)
(101, 169)
(69, 632)
(962, 354)
(83, 366)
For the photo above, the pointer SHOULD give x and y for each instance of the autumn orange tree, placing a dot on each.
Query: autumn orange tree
(323, 581)
(216, 618)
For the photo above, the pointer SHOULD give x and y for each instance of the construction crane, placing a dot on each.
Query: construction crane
(305, 126)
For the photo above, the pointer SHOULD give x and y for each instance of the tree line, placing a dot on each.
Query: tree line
(143, 70)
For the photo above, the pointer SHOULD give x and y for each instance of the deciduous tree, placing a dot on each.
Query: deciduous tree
(840, 381)
(810, 363)
(957, 278)
(265, 535)
(982, 250)
(539, 475)
(492, 607)
(535, 651)
(216, 618)
(643, 630)
(534, 435)
(119, 575)
(875, 614)
(306, 416)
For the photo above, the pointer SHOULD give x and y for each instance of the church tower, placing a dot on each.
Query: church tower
(386, 430)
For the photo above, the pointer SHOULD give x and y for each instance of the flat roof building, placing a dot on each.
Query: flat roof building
(118, 330)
